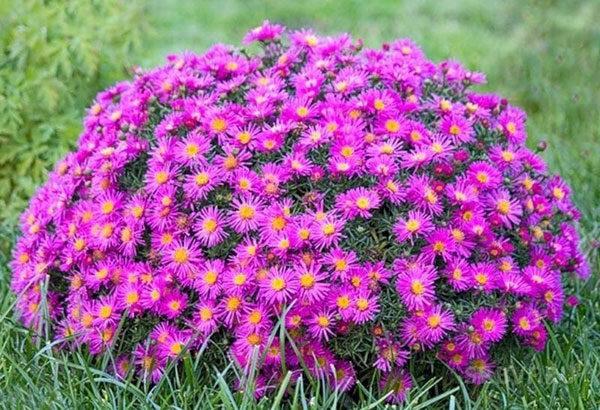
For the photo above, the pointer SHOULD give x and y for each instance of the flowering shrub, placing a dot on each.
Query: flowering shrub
(340, 211)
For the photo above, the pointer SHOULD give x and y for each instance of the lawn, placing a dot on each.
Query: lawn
(541, 55)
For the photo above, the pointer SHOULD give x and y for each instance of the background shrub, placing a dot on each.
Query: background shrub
(54, 56)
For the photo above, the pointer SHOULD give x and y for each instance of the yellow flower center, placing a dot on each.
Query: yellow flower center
(105, 311)
(454, 129)
(378, 104)
(434, 321)
(347, 151)
(253, 339)
(340, 265)
(244, 137)
(230, 162)
(362, 304)
(161, 177)
(328, 229)
(488, 325)
(481, 278)
(558, 193)
(278, 284)
(107, 207)
(392, 126)
(255, 317)
(343, 302)
(218, 124)
(363, 203)
(304, 233)
(191, 150)
(417, 287)
(278, 223)
(246, 212)
(206, 314)
(524, 323)
(201, 179)
(101, 273)
(482, 177)
(176, 348)
(132, 297)
(209, 225)
(239, 279)
(439, 247)
(210, 277)
(233, 303)
(503, 206)
(181, 255)
(302, 112)
(307, 280)
(508, 156)
(511, 127)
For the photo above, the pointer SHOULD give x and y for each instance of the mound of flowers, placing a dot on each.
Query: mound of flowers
(332, 210)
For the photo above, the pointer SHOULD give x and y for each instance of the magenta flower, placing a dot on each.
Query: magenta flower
(183, 256)
(210, 226)
(279, 286)
(490, 324)
(416, 288)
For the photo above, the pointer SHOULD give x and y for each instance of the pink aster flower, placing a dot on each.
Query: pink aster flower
(205, 319)
(483, 276)
(343, 377)
(512, 123)
(313, 286)
(327, 231)
(507, 209)
(458, 128)
(366, 307)
(211, 196)
(209, 278)
(245, 214)
(439, 243)
(489, 323)
(484, 176)
(264, 33)
(321, 324)
(457, 274)
(416, 288)
(413, 225)
(434, 324)
(279, 286)
(210, 226)
(173, 304)
(390, 355)
(525, 320)
(150, 366)
(357, 202)
(183, 256)
(199, 183)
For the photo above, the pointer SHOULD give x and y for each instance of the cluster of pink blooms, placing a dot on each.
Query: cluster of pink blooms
(223, 193)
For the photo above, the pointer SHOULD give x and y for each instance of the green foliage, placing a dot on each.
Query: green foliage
(54, 56)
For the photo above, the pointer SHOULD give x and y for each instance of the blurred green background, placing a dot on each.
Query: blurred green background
(542, 55)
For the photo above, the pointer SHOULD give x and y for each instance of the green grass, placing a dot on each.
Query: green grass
(541, 55)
